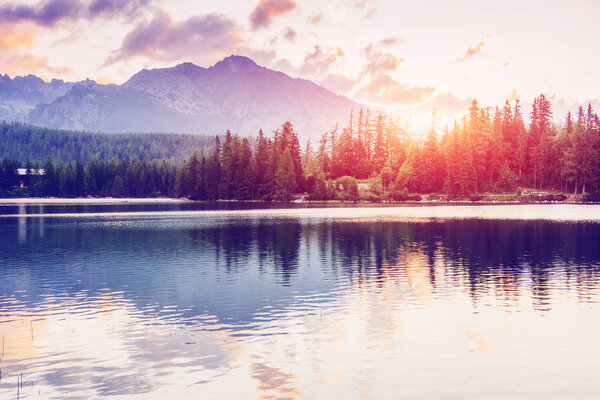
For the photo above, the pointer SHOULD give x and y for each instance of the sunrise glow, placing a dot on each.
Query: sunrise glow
(401, 57)
(299, 199)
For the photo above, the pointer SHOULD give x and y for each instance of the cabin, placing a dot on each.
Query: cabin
(23, 172)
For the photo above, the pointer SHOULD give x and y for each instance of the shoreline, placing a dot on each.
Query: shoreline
(85, 200)
(168, 200)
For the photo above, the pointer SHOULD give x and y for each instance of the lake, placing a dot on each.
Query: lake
(245, 301)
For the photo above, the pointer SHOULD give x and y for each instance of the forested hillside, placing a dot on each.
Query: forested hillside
(26, 142)
(490, 150)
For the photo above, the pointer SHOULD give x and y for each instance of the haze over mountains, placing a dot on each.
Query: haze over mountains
(235, 94)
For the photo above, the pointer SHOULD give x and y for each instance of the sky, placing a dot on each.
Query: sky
(402, 57)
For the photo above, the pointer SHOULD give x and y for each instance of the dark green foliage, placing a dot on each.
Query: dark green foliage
(285, 178)
(22, 142)
(347, 188)
(593, 197)
(399, 195)
(232, 171)
(97, 178)
(317, 187)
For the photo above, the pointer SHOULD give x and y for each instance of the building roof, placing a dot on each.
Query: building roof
(31, 171)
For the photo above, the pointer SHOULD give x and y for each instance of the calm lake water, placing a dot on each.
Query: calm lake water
(237, 301)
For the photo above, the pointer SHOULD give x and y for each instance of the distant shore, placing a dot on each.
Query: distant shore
(169, 200)
(86, 200)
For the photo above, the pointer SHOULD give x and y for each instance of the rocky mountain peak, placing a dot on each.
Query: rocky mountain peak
(235, 94)
(234, 63)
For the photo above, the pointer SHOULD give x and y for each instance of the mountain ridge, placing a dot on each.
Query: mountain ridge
(234, 93)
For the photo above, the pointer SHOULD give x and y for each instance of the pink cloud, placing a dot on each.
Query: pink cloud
(50, 12)
(163, 39)
(262, 56)
(338, 83)
(14, 38)
(316, 17)
(383, 89)
(380, 61)
(25, 64)
(266, 10)
(319, 61)
(290, 34)
(390, 41)
(283, 65)
(472, 51)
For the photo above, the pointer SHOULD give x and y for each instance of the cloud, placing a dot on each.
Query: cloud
(283, 65)
(24, 64)
(337, 83)
(390, 41)
(316, 17)
(13, 38)
(380, 61)
(104, 80)
(163, 39)
(111, 7)
(513, 95)
(475, 50)
(318, 65)
(289, 34)
(264, 57)
(45, 13)
(319, 61)
(383, 89)
(14, 60)
(266, 10)
(362, 4)
(50, 12)
(561, 106)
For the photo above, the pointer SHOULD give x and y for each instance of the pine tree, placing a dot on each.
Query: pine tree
(541, 118)
(379, 154)
(228, 163)
(285, 178)
(289, 140)
(244, 174)
(213, 172)
(263, 166)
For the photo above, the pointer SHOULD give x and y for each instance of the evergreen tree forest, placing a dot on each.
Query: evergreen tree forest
(24, 142)
(99, 178)
(490, 150)
(372, 158)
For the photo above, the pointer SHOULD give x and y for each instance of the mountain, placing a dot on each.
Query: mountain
(235, 94)
(21, 95)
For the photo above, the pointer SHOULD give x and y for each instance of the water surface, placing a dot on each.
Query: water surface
(242, 301)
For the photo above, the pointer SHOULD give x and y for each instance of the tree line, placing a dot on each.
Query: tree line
(490, 150)
(101, 178)
(234, 170)
(372, 158)
(23, 142)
